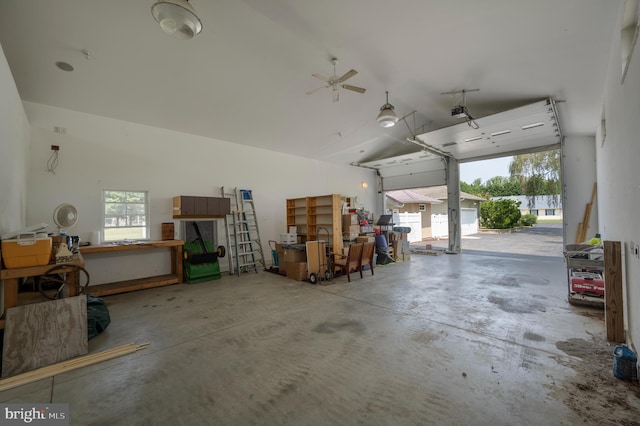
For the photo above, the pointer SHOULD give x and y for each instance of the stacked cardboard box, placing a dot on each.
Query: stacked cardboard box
(297, 271)
(289, 254)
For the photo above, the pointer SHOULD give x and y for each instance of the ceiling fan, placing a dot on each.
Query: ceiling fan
(334, 82)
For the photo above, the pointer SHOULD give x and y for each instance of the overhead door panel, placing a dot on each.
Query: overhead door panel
(414, 180)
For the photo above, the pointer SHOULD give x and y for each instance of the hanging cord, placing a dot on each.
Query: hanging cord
(52, 162)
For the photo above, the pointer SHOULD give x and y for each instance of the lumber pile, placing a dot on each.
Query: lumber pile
(583, 227)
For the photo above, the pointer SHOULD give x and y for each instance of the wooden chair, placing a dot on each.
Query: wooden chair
(368, 251)
(350, 261)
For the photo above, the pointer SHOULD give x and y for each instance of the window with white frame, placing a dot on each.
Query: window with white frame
(422, 207)
(549, 212)
(126, 215)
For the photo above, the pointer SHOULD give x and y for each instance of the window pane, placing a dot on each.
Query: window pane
(135, 208)
(115, 209)
(114, 196)
(125, 215)
(116, 234)
(135, 197)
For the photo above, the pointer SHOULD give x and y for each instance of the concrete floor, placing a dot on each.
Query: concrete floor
(449, 339)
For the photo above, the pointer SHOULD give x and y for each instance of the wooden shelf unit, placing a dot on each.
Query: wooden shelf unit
(309, 213)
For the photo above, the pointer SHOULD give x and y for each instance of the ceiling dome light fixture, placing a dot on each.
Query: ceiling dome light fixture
(177, 17)
(387, 117)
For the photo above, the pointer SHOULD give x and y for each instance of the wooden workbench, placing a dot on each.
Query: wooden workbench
(11, 278)
(175, 277)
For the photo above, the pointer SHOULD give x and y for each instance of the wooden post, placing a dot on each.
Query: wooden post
(613, 308)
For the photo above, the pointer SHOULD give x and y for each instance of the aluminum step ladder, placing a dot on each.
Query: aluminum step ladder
(243, 234)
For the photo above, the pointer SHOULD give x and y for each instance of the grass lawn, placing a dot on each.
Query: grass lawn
(549, 221)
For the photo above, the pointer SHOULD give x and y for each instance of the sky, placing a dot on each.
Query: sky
(484, 169)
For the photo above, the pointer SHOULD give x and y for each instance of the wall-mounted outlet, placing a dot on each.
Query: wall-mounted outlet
(55, 147)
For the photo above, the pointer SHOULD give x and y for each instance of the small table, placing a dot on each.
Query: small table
(11, 278)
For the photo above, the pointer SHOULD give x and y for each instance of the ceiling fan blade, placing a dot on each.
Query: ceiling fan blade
(347, 76)
(354, 88)
(336, 95)
(321, 77)
(312, 91)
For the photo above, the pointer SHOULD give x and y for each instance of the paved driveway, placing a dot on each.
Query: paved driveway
(540, 240)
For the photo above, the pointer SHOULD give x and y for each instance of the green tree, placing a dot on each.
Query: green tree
(500, 186)
(500, 214)
(475, 188)
(538, 173)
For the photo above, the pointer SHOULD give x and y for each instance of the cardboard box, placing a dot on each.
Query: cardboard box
(350, 236)
(295, 254)
(26, 251)
(350, 229)
(587, 282)
(297, 271)
(282, 268)
(591, 286)
(350, 219)
(366, 239)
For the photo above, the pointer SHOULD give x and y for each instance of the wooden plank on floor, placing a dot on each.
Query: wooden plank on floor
(42, 334)
(613, 308)
(73, 364)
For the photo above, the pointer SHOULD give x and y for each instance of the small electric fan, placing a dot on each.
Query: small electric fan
(65, 216)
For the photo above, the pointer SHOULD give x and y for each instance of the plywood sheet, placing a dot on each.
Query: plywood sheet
(42, 334)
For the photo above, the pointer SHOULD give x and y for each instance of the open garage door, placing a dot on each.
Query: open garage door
(531, 128)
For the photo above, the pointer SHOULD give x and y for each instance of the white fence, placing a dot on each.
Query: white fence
(413, 221)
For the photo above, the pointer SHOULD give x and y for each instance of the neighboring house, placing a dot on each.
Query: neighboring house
(469, 211)
(543, 206)
(437, 210)
(418, 211)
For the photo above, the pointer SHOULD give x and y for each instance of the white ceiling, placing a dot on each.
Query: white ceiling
(244, 78)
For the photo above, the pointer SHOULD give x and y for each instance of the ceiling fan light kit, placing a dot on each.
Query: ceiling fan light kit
(177, 17)
(387, 116)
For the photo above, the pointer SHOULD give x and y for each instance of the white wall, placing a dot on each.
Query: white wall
(578, 176)
(14, 143)
(99, 153)
(618, 173)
